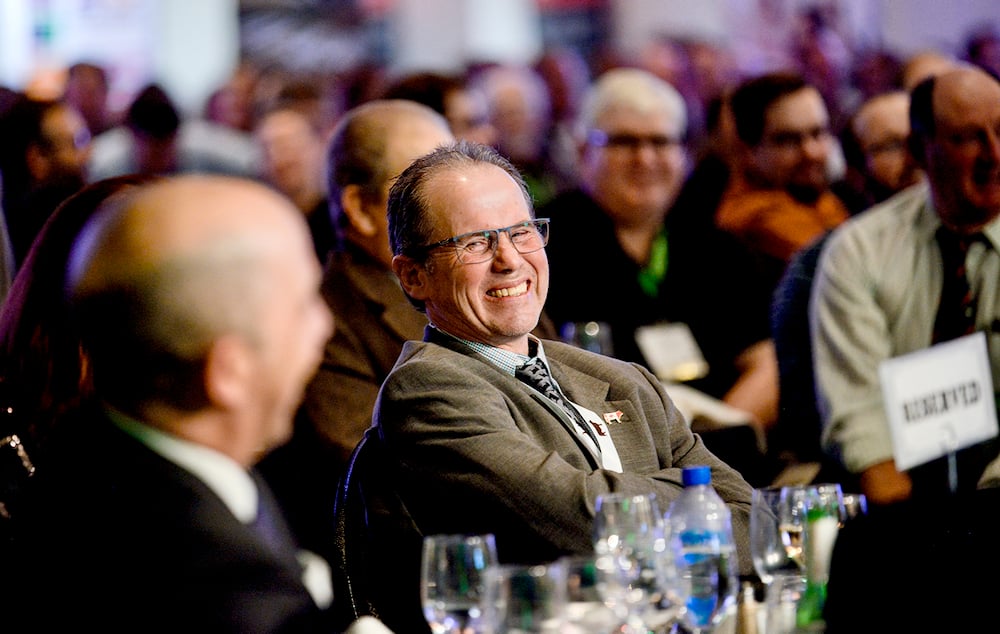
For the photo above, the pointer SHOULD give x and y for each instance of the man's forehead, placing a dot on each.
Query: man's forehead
(961, 104)
(449, 190)
(626, 117)
(799, 110)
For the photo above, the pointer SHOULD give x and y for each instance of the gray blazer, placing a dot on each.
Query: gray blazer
(473, 449)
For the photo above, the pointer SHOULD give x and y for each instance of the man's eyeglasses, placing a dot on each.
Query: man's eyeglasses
(479, 246)
(633, 142)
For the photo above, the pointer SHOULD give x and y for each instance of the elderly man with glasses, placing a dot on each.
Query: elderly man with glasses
(488, 429)
(662, 274)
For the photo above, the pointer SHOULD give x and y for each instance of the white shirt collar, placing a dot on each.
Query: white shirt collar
(227, 478)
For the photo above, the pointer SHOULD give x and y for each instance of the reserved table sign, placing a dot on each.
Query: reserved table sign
(939, 400)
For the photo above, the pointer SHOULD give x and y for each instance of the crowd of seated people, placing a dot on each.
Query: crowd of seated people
(725, 208)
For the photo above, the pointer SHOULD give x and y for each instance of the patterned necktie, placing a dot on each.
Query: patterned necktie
(535, 374)
(956, 315)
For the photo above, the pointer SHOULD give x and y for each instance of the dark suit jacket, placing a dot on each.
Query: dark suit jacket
(372, 319)
(473, 450)
(117, 538)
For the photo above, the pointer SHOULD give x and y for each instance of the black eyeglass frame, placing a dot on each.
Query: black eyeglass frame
(540, 225)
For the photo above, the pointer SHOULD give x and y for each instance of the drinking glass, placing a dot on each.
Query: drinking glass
(777, 515)
(528, 599)
(586, 612)
(589, 335)
(637, 563)
(775, 533)
(855, 504)
(824, 506)
(453, 582)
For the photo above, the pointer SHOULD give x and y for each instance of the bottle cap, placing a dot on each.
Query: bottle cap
(701, 474)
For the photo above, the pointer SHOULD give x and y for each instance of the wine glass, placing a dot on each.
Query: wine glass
(776, 533)
(636, 562)
(776, 525)
(528, 599)
(453, 582)
(586, 612)
(855, 504)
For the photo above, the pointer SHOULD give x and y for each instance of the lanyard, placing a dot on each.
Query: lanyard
(653, 273)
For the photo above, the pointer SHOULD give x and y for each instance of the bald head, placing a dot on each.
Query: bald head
(881, 127)
(368, 135)
(191, 241)
(954, 122)
(924, 64)
(371, 146)
(162, 276)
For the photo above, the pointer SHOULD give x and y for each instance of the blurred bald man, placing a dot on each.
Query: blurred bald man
(879, 164)
(370, 146)
(197, 300)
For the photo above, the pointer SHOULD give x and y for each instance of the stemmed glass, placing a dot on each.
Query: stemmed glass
(855, 504)
(777, 520)
(586, 612)
(529, 599)
(636, 562)
(453, 582)
(776, 525)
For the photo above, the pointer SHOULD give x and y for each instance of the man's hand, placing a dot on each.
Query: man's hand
(883, 484)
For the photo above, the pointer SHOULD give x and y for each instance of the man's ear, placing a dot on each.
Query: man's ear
(352, 202)
(412, 276)
(37, 162)
(228, 366)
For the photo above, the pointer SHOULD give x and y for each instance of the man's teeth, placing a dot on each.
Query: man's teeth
(513, 291)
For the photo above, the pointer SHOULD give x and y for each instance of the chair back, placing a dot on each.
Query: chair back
(377, 545)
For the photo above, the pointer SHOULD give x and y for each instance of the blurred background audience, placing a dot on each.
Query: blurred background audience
(155, 138)
(825, 144)
(292, 132)
(43, 160)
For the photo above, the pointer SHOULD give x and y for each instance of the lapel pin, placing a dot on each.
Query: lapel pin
(613, 417)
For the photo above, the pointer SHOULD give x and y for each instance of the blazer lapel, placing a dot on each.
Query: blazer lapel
(433, 335)
(570, 425)
(618, 415)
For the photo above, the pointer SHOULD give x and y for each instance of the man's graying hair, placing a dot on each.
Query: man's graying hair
(409, 225)
(631, 88)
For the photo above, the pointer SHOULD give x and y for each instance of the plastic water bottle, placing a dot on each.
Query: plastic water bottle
(702, 523)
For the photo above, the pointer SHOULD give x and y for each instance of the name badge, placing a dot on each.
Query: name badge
(610, 459)
(939, 400)
(672, 352)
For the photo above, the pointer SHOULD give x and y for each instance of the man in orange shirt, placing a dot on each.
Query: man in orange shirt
(779, 197)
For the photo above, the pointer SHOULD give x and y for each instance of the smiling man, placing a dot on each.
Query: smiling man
(779, 198)
(472, 448)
